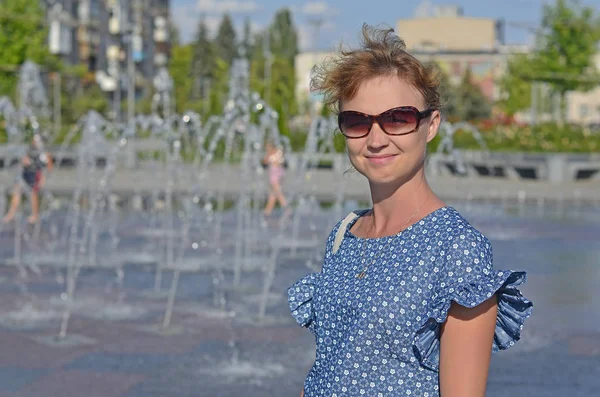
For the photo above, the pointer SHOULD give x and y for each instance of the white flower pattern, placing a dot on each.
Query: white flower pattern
(379, 336)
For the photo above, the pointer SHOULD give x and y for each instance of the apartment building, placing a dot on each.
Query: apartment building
(104, 34)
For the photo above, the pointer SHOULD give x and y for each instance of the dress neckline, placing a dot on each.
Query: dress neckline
(411, 227)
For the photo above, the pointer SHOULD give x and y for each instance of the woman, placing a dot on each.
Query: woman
(407, 301)
(33, 163)
(274, 160)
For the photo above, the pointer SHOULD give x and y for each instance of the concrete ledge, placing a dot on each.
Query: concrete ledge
(324, 185)
(549, 167)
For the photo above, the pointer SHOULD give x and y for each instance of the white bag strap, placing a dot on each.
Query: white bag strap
(339, 236)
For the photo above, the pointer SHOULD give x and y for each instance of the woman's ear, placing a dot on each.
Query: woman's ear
(434, 124)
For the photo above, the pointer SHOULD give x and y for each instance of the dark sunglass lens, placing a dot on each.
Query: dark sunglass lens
(399, 121)
(354, 124)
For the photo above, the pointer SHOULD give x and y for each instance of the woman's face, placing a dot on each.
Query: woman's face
(384, 158)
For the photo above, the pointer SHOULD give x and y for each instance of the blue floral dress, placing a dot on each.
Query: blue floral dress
(379, 335)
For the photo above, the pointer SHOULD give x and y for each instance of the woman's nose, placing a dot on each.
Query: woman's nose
(377, 138)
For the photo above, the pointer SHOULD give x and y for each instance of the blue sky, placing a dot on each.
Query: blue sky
(342, 19)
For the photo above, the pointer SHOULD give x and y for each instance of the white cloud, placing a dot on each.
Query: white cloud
(317, 8)
(313, 21)
(229, 6)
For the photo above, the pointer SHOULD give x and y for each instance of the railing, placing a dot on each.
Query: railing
(549, 167)
(67, 157)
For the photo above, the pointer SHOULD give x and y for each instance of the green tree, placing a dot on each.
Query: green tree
(278, 85)
(283, 38)
(89, 97)
(461, 102)
(180, 70)
(80, 93)
(23, 36)
(470, 101)
(246, 42)
(225, 41)
(567, 42)
(203, 62)
(516, 91)
(220, 87)
(174, 35)
(275, 81)
(257, 64)
(448, 93)
(282, 92)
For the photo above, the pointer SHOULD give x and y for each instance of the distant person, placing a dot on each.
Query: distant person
(34, 162)
(274, 160)
(408, 302)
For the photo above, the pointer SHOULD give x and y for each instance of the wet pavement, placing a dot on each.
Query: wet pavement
(116, 347)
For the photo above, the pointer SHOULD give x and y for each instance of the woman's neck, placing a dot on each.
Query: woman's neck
(397, 207)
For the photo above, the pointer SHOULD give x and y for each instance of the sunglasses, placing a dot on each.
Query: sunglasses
(397, 121)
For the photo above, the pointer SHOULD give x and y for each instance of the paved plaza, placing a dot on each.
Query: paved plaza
(114, 346)
(194, 358)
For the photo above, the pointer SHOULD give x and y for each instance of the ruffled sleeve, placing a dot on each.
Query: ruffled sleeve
(300, 299)
(469, 279)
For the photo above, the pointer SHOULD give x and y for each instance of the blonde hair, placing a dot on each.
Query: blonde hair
(381, 53)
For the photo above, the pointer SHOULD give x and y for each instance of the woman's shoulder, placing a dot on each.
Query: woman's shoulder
(463, 249)
(339, 231)
(449, 227)
(451, 241)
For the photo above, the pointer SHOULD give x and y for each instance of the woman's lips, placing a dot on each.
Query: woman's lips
(381, 159)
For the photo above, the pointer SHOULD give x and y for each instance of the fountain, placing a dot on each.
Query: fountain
(32, 106)
(95, 190)
(33, 101)
(169, 257)
(447, 131)
(189, 229)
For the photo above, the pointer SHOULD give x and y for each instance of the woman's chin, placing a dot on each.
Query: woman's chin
(381, 178)
(389, 177)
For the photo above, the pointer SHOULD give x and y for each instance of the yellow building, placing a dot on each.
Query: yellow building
(450, 33)
(304, 62)
(455, 42)
(443, 35)
(485, 67)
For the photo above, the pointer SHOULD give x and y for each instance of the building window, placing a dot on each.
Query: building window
(59, 38)
(92, 63)
(583, 111)
(83, 13)
(94, 9)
